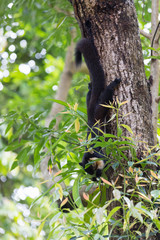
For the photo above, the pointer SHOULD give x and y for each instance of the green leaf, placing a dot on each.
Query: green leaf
(15, 145)
(61, 21)
(55, 218)
(157, 222)
(107, 135)
(77, 125)
(75, 192)
(155, 194)
(148, 230)
(37, 150)
(10, 125)
(114, 210)
(23, 155)
(128, 128)
(52, 124)
(113, 117)
(99, 216)
(11, 114)
(117, 194)
(89, 187)
(122, 154)
(60, 102)
(40, 228)
(136, 214)
(151, 48)
(119, 132)
(14, 165)
(41, 144)
(58, 140)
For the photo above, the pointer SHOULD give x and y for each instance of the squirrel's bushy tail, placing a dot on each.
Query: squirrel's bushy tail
(87, 48)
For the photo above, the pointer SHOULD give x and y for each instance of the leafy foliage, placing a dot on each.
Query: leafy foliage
(138, 198)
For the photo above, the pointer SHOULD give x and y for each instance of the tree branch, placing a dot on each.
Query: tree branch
(157, 99)
(147, 35)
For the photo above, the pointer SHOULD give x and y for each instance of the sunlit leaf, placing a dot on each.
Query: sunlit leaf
(122, 103)
(99, 215)
(75, 106)
(107, 135)
(77, 125)
(10, 125)
(23, 155)
(14, 165)
(107, 106)
(154, 174)
(85, 196)
(61, 21)
(155, 194)
(60, 190)
(130, 169)
(117, 194)
(64, 202)
(106, 182)
(144, 196)
(157, 222)
(129, 203)
(136, 214)
(128, 128)
(60, 102)
(113, 211)
(40, 228)
(57, 173)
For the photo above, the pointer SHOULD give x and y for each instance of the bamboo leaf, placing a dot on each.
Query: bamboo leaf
(157, 222)
(23, 155)
(154, 174)
(128, 128)
(85, 196)
(60, 190)
(60, 102)
(155, 194)
(14, 165)
(75, 192)
(122, 103)
(77, 125)
(107, 106)
(40, 228)
(75, 107)
(114, 210)
(117, 194)
(106, 182)
(64, 202)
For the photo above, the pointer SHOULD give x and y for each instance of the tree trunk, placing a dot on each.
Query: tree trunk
(155, 66)
(113, 27)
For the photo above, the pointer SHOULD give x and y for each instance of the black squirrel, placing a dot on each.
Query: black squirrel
(98, 94)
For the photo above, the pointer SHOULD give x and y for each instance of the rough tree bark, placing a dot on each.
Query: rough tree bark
(113, 27)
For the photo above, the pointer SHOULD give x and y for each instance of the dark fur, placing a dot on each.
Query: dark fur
(97, 94)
